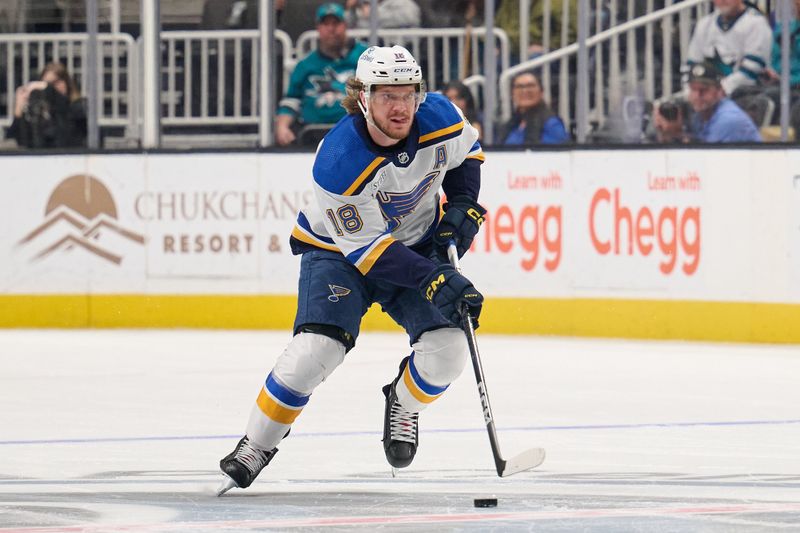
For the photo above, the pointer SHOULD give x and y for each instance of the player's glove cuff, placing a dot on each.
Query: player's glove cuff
(462, 220)
(449, 291)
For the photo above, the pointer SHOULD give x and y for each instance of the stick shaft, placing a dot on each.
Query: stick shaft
(469, 330)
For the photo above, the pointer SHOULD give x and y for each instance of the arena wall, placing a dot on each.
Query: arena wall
(669, 244)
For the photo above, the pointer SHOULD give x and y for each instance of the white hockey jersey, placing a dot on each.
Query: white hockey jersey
(373, 202)
(739, 48)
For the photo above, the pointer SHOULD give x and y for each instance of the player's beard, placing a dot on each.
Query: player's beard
(395, 133)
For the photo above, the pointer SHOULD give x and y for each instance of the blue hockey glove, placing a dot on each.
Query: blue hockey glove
(461, 221)
(449, 291)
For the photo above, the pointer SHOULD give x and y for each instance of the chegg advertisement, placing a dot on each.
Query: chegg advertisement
(562, 222)
(696, 224)
(641, 223)
(528, 217)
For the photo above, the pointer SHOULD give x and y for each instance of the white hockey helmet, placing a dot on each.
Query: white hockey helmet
(388, 65)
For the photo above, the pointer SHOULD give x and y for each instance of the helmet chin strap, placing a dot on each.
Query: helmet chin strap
(365, 108)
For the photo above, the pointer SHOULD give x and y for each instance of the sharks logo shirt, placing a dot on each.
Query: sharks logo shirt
(374, 204)
(739, 48)
(317, 86)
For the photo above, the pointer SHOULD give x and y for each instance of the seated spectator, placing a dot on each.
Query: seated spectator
(773, 89)
(774, 73)
(391, 14)
(461, 96)
(533, 121)
(736, 38)
(49, 113)
(317, 84)
(715, 118)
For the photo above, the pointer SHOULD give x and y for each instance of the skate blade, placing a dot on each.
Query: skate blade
(226, 485)
(395, 471)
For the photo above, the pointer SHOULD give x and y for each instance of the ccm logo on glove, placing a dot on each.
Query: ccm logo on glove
(433, 287)
(476, 215)
(449, 291)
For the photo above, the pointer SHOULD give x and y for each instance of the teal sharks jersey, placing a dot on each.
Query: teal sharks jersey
(317, 87)
(740, 48)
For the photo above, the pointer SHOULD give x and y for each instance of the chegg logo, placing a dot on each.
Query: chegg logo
(671, 230)
(533, 230)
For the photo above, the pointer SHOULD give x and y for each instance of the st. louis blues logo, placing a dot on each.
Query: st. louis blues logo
(337, 291)
(397, 205)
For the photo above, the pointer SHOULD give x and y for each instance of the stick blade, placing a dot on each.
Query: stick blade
(524, 461)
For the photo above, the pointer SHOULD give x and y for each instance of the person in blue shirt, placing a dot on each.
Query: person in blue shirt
(715, 118)
(533, 121)
(317, 85)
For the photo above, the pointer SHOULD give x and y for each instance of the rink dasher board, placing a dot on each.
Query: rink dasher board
(695, 244)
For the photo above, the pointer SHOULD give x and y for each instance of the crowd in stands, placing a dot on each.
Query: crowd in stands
(734, 63)
(730, 84)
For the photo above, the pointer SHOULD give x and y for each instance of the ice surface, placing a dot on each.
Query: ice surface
(118, 430)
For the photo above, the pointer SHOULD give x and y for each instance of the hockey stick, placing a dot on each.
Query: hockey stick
(527, 459)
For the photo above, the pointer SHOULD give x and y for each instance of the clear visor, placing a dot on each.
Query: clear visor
(386, 98)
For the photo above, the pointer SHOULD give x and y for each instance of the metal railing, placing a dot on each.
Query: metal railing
(211, 77)
(611, 81)
(445, 53)
(25, 55)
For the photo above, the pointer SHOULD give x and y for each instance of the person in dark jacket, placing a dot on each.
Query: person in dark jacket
(49, 113)
(533, 122)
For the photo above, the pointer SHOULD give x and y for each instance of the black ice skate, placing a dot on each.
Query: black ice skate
(400, 432)
(243, 465)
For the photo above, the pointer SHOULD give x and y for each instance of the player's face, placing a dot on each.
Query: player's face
(704, 96)
(392, 108)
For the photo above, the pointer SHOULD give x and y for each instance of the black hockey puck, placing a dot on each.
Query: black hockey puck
(485, 502)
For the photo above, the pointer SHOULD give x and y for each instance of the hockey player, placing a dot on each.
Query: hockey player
(376, 234)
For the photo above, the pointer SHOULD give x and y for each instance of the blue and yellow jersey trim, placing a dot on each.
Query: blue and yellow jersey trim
(365, 258)
(344, 164)
(422, 391)
(366, 176)
(441, 135)
(476, 152)
(438, 120)
(279, 402)
(303, 233)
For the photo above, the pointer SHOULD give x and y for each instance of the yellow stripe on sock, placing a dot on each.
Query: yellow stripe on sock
(274, 410)
(415, 391)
